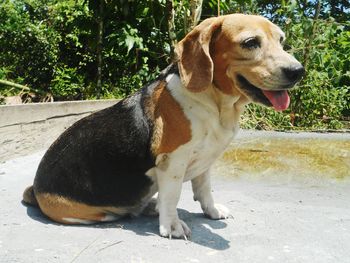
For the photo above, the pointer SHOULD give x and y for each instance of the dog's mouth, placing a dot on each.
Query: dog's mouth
(279, 99)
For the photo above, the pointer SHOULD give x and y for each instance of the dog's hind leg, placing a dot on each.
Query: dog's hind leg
(151, 209)
(66, 211)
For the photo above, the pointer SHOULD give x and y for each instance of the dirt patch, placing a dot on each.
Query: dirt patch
(323, 158)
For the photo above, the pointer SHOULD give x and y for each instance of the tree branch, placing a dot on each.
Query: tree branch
(14, 85)
(196, 11)
(171, 25)
(313, 33)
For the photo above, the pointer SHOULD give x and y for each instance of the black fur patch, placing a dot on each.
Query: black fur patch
(102, 159)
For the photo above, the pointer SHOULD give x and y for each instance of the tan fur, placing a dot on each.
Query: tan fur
(171, 127)
(212, 53)
(58, 208)
(195, 65)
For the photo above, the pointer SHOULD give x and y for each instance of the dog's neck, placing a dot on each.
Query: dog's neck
(229, 107)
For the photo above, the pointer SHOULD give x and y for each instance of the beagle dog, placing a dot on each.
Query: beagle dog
(111, 163)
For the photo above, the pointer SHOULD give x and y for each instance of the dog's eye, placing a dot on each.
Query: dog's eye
(251, 43)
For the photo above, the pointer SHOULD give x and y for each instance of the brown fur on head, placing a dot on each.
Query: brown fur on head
(195, 62)
(239, 54)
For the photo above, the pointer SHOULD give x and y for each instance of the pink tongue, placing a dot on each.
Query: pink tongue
(279, 99)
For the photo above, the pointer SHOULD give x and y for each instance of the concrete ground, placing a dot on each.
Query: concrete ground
(288, 193)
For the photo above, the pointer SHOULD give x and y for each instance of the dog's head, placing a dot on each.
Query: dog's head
(240, 55)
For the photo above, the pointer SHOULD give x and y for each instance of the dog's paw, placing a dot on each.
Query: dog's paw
(218, 211)
(177, 228)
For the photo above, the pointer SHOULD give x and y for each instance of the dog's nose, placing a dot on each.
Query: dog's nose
(294, 74)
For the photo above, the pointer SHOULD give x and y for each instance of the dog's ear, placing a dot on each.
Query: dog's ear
(193, 54)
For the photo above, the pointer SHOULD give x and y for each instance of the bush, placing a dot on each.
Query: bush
(67, 84)
(52, 46)
(28, 49)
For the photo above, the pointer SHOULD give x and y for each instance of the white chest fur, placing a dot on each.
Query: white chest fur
(214, 122)
(206, 149)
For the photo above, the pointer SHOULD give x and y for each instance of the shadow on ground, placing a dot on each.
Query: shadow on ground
(201, 226)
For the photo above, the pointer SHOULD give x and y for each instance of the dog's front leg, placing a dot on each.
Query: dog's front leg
(170, 173)
(202, 192)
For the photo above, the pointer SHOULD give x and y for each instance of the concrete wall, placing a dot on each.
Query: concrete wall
(32, 127)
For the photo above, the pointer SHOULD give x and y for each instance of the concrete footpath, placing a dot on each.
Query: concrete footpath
(288, 194)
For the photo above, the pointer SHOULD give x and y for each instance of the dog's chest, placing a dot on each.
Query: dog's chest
(212, 127)
(210, 140)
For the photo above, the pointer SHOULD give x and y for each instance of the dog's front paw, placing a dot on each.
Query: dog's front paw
(217, 211)
(177, 228)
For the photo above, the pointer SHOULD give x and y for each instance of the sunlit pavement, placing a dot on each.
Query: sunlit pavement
(289, 195)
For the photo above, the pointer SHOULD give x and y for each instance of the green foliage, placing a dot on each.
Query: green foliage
(67, 83)
(29, 48)
(52, 46)
(5, 90)
(4, 72)
(323, 95)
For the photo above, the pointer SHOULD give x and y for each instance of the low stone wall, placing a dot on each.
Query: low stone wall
(32, 127)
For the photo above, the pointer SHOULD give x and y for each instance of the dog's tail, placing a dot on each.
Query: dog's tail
(29, 196)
